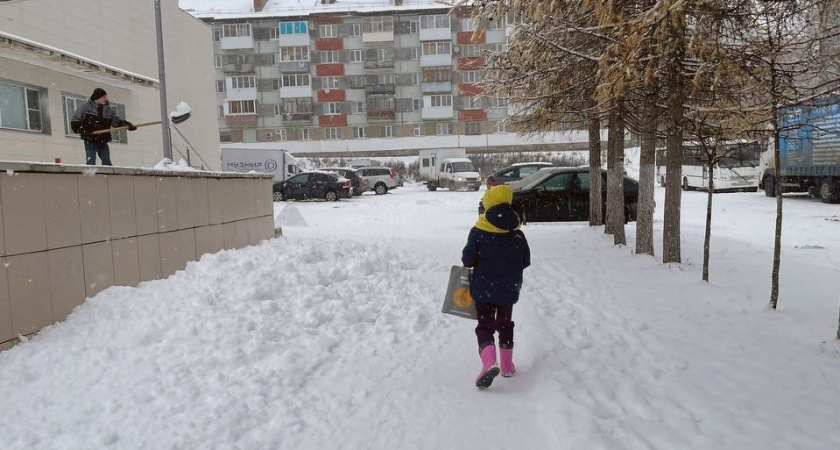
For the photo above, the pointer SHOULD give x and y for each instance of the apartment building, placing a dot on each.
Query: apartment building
(342, 78)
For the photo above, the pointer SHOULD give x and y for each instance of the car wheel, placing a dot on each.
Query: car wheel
(331, 196)
(827, 194)
(769, 186)
(279, 197)
(380, 189)
(685, 184)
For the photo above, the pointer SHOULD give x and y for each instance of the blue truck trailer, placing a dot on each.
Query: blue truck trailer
(809, 153)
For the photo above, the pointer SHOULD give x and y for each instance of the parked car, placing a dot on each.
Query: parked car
(560, 194)
(381, 178)
(359, 183)
(515, 172)
(313, 185)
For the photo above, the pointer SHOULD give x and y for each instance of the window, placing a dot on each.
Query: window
(414, 53)
(332, 133)
(437, 74)
(298, 53)
(357, 107)
(20, 107)
(499, 103)
(473, 128)
(356, 81)
(220, 112)
(418, 130)
(275, 84)
(470, 51)
(328, 31)
(242, 107)
(329, 57)
(413, 26)
(471, 76)
(360, 132)
(471, 102)
(217, 61)
(272, 60)
(437, 48)
(220, 86)
(467, 25)
(273, 33)
(499, 127)
(388, 131)
(301, 105)
(378, 24)
(437, 101)
(416, 104)
(355, 29)
(380, 103)
(305, 134)
(299, 27)
(330, 83)
(217, 34)
(300, 79)
(278, 109)
(243, 82)
(435, 21)
(356, 56)
(415, 79)
(496, 48)
(71, 104)
(332, 108)
(443, 128)
(236, 30)
(496, 24)
(388, 78)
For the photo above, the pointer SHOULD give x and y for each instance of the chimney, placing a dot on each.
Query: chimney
(398, 2)
(259, 5)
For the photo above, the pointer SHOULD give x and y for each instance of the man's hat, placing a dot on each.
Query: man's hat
(98, 93)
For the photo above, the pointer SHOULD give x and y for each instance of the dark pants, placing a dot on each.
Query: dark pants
(93, 149)
(491, 319)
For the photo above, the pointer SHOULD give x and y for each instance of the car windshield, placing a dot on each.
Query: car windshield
(463, 167)
(532, 180)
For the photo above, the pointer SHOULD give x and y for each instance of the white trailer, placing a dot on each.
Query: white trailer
(279, 163)
(448, 168)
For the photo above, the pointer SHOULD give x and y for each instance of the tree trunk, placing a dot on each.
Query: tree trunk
(673, 178)
(596, 212)
(615, 174)
(777, 240)
(707, 237)
(647, 173)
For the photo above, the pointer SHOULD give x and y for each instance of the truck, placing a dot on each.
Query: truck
(279, 163)
(809, 153)
(448, 168)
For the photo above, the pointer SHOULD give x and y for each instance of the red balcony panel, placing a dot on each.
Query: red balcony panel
(333, 95)
(470, 37)
(472, 115)
(329, 44)
(470, 89)
(473, 63)
(329, 70)
(245, 120)
(332, 121)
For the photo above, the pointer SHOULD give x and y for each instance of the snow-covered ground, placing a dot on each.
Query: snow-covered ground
(331, 337)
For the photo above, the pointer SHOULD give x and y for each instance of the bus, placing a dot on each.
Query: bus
(737, 170)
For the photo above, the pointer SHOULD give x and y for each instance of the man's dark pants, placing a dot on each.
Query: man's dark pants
(92, 149)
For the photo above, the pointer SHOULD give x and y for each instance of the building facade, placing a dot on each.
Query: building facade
(391, 80)
(54, 53)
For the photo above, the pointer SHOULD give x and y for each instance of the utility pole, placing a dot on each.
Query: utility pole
(164, 115)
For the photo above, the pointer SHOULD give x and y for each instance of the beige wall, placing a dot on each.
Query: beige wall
(67, 234)
(121, 34)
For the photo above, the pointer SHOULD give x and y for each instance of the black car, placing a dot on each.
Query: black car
(359, 184)
(313, 185)
(515, 172)
(562, 194)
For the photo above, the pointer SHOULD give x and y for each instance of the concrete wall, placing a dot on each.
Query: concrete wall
(68, 232)
(119, 34)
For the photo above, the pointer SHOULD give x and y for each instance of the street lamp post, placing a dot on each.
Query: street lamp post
(164, 117)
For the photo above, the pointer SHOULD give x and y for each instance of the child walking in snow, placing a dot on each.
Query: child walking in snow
(498, 253)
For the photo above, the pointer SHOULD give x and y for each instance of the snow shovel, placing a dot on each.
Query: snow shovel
(181, 114)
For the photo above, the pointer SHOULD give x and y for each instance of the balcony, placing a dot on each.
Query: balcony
(293, 66)
(297, 117)
(381, 114)
(436, 87)
(380, 89)
(379, 64)
(238, 68)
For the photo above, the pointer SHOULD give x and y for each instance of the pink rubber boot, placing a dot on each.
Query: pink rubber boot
(506, 362)
(489, 368)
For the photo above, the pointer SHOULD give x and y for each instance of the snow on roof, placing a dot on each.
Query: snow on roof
(232, 9)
